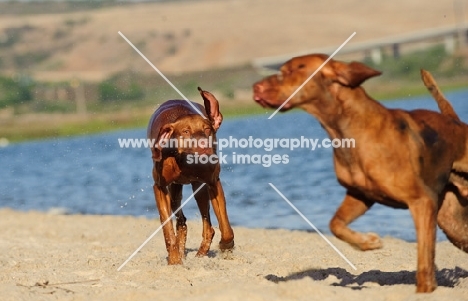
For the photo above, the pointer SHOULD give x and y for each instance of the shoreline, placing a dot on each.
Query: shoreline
(59, 125)
(153, 217)
(75, 257)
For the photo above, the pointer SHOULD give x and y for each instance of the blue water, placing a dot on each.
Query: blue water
(93, 175)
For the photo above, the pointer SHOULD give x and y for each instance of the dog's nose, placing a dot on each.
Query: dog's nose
(258, 87)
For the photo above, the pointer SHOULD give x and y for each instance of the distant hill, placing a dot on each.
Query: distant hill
(60, 41)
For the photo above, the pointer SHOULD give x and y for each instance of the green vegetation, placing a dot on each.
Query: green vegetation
(401, 76)
(127, 99)
(27, 59)
(412, 89)
(109, 91)
(64, 126)
(15, 91)
(408, 66)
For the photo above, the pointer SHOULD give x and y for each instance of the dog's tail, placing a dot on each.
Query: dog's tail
(445, 106)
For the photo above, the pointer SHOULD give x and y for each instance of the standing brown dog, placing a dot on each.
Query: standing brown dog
(402, 159)
(173, 166)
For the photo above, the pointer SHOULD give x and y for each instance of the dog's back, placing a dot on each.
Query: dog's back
(169, 112)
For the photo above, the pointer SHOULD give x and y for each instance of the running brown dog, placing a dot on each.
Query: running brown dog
(402, 159)
(177, 120)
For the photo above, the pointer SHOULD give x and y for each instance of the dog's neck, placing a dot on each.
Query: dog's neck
(342, 111)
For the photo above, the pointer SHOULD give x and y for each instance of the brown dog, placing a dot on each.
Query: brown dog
(453, 212)
(177, 164)
(402, 159)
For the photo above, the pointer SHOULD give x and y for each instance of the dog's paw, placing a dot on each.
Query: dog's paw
(174, 258)
(226, 246)
(425, 283)
(369, 241)
(203, 251)
(174, 261)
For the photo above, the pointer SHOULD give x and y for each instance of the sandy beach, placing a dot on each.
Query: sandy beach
(75, 257)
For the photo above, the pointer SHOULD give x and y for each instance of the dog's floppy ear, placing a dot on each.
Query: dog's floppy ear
(164, 134)
(212, 108)
(350, 75)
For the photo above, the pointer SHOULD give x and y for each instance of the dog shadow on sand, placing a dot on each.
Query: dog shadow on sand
(445, 277)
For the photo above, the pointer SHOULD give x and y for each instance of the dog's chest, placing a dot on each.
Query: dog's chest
(180, 172)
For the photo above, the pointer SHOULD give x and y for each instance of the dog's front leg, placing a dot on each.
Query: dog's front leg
(424, 213)
(219, 207)
(163, 203)
(350, 209)
(203, 202)
(175, 192)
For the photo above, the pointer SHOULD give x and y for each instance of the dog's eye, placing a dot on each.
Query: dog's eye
(301, 66)
(186, 132)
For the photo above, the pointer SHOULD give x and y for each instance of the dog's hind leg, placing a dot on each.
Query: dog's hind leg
(350, 209)
(424, 212)
(452, 218)
(203, 201)
(175, 192)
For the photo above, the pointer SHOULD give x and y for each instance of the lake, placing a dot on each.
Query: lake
(93, 175)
